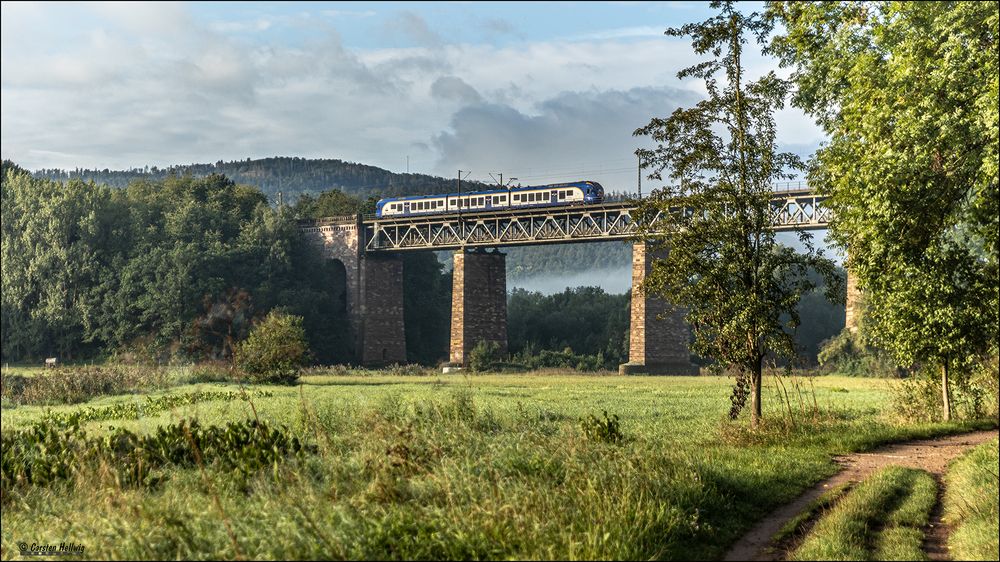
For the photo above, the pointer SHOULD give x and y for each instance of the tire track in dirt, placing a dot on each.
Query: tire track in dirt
(931, 455)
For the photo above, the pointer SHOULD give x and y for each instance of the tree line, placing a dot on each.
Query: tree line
(179, 266)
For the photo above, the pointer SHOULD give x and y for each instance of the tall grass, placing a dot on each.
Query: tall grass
(971, 504)
(453, 466)
(881, 519)
(71, 385)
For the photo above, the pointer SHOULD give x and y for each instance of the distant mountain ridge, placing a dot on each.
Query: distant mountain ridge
(292, 176)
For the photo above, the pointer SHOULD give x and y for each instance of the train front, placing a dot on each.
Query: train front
(594, 193)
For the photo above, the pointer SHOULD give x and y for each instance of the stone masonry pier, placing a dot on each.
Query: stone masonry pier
(658, 335)
(478, 303)
(383, 335)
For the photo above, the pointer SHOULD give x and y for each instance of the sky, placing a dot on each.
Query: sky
(538, 91)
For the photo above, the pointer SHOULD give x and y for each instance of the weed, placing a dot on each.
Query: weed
(607, 430)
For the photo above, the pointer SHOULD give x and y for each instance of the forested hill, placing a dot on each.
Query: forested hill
(290, 175)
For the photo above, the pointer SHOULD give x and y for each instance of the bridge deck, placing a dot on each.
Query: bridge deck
(793, 210)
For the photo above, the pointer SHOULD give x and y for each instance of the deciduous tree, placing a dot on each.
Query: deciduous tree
(908, 94)
(722, 262)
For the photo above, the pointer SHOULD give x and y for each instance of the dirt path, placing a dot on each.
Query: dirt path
(931, 455)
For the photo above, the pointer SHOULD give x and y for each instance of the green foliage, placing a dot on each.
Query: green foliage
(607, 430)
(532, 359)
(971, 504)
(585, 319)
(426, 308)
(973, 394)
(881, 519)
(721, 262)
(275, 350)
(330, 203)
(485, 356)
(159, 269)
(50, 451)
(290, 175)
(848, 353)
(907, 93)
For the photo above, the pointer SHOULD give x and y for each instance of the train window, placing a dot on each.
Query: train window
(482, 200)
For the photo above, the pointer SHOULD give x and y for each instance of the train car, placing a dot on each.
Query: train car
(575, 193)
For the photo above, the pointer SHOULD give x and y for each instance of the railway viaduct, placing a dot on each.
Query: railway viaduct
(370, 251)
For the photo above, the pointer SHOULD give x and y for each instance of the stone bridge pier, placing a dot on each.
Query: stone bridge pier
(373, 295)
(478, 303)
(658, 334)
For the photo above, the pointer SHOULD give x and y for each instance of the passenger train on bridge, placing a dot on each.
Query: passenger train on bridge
(576, 193)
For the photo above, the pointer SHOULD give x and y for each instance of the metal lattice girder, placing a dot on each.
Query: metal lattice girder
(793, 210)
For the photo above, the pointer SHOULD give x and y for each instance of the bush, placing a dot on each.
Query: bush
(485, 356)
(973, 393)
(848, 354)
(275, 350)
(205, 372)
(564, 359)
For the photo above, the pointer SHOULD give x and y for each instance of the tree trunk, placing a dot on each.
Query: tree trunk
(755, 377)
(944, 391)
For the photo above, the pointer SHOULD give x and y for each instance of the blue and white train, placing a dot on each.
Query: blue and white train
(581, 192)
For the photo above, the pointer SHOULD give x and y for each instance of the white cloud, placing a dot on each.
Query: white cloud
(148, 84)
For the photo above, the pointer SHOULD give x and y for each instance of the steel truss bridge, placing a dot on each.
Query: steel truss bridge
(800, 209)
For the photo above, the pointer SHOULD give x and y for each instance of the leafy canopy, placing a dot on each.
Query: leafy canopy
(908, 94)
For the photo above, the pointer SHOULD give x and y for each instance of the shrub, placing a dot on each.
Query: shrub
(274, 351)
(848, 354)
(973, 393)
(485, 357)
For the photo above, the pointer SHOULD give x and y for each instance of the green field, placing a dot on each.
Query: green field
(453, 466)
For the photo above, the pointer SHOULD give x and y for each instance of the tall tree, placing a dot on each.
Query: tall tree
(721, 260)
(908, 94)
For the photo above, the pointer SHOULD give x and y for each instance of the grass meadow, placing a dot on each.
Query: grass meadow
(455, 466)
